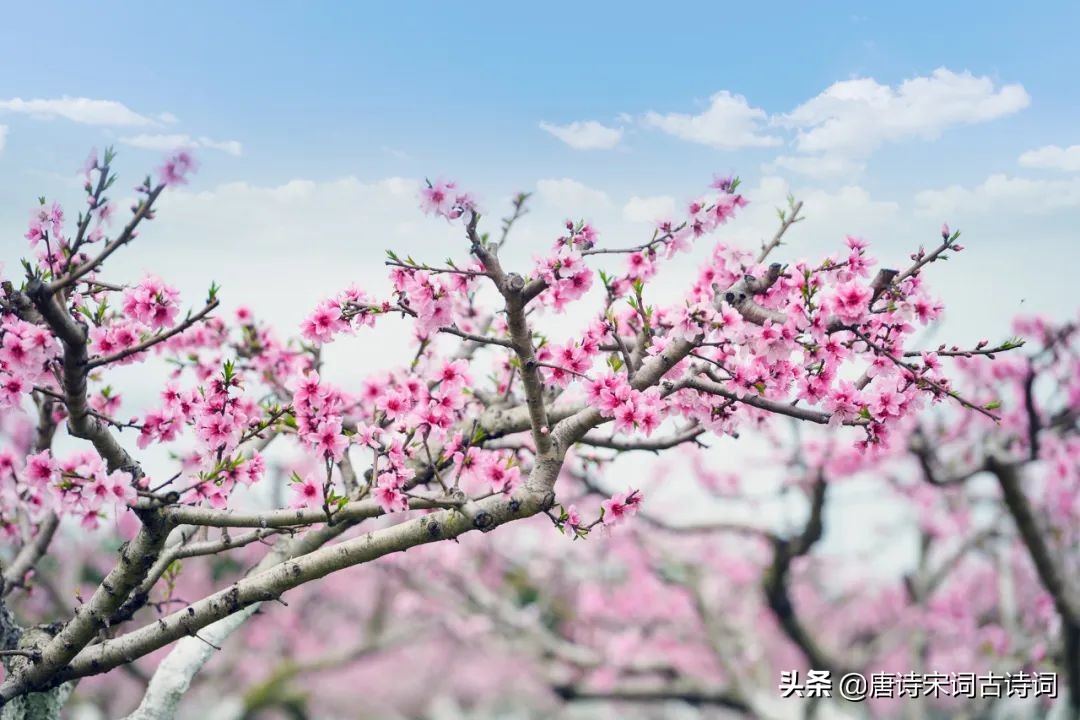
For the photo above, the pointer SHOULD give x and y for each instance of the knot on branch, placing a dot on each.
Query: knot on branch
(881, 282)
(515, 283)
(483, 520)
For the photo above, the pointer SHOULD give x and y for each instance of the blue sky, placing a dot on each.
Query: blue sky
(462, 89)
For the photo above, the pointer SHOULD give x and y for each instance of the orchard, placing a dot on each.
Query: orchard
(268, 568)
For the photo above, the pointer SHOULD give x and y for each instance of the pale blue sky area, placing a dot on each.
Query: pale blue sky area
(327, 89)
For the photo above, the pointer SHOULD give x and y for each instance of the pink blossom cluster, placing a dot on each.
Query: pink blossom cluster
(318, 410)
(26, 351)
(620, 507)
(565, 362)
(46, 223)
(152, 303)
(219, 417)
(428, 298)
(443, 199)
(479, 470)
(564, 270)
(329, 316)
(633, 410)
(392, 470)
(177, 167)
(80, 486)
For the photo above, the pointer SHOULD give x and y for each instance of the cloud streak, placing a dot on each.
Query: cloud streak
(1022, 196)
(167, 142)
(85, 111)
(729, 123)
(831, 134)
(1053, 157)
(569, 195)
(855, 117)
(585, 135)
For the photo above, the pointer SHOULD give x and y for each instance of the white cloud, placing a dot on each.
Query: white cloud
(167, 142)
(649, 209)
(267, 232)
(854, 117)
(1053, 157)
(585, 135)
(998, 192)
(816, 166)
(729, 123)
(82, 110)
(570, 195)
(3, 136)
(829, 215)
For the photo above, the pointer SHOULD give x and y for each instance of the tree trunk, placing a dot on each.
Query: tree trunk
(35, 706)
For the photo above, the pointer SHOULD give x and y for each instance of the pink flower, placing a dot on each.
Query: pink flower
(324, 322)
(176, 168)
(843, 403)
(41, 469)
(502, 478)
(851, 301)
(888, 403)
(12, 389)
(152, 302)
(306, 492)
(573, 519)
(436, 199)
(388, 494)
(620, 506)
(443, 199)
(328, 440)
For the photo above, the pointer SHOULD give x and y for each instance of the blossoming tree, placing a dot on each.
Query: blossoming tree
(471, 435)
(710, 613)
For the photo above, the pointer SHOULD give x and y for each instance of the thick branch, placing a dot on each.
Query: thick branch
(81, 420)
(780, 408)
(136, 557)
(271, 584)
(688, 694)
(290, 518)
(776, 589)
(29, 554)
(647, 444)
(1051, 574)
